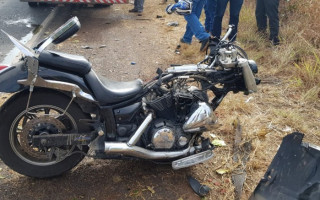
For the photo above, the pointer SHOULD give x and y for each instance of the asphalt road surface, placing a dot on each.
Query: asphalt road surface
(20, 21)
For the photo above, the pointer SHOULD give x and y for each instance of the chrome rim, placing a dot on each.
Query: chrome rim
(38, 116)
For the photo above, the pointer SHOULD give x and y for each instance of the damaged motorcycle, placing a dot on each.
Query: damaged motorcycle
(60, 110)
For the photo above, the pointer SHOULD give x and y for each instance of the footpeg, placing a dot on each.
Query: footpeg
(192, 160)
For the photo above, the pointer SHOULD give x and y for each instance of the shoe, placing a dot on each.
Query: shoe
(204, 44)
(213, 45)
(182, 41)
(275, 41)
(139, 13)
(133, 10)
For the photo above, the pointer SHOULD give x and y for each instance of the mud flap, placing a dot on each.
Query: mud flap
(293, 174)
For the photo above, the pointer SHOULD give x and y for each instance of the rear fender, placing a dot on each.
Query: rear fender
(10, 76)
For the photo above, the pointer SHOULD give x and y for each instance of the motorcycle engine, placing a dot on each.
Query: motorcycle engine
(172, 109)
(164, 135)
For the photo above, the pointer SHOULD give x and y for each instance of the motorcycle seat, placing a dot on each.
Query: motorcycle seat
(108, 91)
(65, 62)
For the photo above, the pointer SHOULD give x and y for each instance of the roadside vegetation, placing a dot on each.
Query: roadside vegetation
(288, 97)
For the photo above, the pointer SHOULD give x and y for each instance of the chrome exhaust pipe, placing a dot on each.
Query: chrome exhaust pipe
(136, 136)
(129, 148)
(139, 152)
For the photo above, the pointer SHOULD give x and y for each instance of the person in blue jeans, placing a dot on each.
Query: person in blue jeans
(138, 7)
(209, 10)
(235, 7)
(194, 27)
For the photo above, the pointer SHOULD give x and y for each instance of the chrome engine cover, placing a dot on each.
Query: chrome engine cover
(202, 117)
(164, 138)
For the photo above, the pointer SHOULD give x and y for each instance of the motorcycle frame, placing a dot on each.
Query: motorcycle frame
(29, 75)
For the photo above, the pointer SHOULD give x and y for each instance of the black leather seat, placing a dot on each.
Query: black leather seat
(65, 62)
(108, 92)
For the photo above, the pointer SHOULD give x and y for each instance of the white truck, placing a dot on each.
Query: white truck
(34, 3)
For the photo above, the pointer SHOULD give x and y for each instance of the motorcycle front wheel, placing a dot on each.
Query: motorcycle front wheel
(46, 115)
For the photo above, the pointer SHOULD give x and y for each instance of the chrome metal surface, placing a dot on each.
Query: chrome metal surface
(18, 144)
(182, 141)
(201, 117)
(136, 136)
(228, 58)
(187, 68)
(228, 33)
(163, 139)
(58, 85)
(192, 160)
(124, 149)
(248, 77)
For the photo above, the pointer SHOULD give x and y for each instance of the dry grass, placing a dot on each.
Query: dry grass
(289, 91)
(287, 100)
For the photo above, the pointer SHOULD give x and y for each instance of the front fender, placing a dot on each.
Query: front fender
(10, 76)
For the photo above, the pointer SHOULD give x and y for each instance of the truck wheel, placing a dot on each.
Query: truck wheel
(33, 4)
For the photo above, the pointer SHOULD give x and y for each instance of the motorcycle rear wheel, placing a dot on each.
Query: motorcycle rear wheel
(45, 116)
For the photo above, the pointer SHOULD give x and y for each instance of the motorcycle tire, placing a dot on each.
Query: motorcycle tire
(28, 160)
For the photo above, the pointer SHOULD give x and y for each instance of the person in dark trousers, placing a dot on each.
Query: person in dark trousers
(138, 7)
(235, 8)
(209, 9)
(268, 9)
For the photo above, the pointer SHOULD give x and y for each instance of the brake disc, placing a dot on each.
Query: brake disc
(39, 126)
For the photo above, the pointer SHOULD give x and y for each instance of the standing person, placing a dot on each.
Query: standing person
(191, 11)
(209, 9)
(235, 8)
(138, 7)
(268, 9)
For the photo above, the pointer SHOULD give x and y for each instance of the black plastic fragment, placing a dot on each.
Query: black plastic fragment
(201, 190)
(293, 174)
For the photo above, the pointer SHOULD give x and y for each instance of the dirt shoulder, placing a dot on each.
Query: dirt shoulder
(121, 46)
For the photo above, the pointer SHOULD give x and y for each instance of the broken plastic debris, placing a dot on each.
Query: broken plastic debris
(219, 143)
(86, 47)
(173, 24)
(133, 63)
(287, 129)
(213, 135)
(222, 171)
(247, 101)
